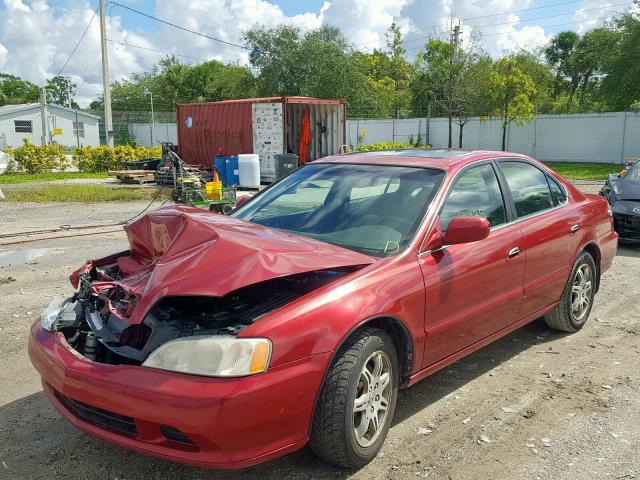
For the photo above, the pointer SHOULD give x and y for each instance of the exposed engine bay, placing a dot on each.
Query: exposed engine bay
(189, 272)
(94, 324)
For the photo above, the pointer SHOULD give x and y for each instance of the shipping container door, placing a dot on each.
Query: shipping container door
(268, 136)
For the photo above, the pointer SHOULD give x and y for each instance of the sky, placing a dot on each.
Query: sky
(38, 36)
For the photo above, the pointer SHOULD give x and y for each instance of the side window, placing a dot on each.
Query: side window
(529, 187)
(557, 192)
(475, 193)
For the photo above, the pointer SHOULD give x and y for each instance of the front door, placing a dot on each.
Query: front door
(475, 289)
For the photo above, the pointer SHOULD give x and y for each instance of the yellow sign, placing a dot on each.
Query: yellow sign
(57, 131)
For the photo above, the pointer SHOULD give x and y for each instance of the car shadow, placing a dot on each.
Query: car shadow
(628, 250)
(38, 443)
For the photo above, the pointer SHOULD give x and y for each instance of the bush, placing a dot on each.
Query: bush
(32, 158)
(381, 146)
(103, 158)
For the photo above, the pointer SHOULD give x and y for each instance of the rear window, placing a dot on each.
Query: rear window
(557, 192)
(529, 187)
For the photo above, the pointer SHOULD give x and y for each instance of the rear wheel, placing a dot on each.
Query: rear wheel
(572, 312)
(357, 401)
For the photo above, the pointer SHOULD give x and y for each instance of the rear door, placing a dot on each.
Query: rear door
(472, 290)
(551, 231)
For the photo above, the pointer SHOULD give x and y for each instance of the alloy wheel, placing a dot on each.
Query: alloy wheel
(581, 292)
(373, 395)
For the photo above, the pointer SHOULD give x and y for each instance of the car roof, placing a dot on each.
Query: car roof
(443, 158)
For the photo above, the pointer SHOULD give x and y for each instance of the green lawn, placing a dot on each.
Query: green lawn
(584, 171)
(44, 177)
(78, 193)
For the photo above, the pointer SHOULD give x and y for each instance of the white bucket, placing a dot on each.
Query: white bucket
(249, 170)
(4, 162)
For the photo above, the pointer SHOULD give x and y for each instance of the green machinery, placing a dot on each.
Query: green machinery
(190, 186)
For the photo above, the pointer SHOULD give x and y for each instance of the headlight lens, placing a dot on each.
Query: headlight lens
(50, 314)
(216, 356)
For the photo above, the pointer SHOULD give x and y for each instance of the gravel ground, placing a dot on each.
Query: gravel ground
(534, 405)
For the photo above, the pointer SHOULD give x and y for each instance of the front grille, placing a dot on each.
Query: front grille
(628, 226)
(113, 422)
(629, 220)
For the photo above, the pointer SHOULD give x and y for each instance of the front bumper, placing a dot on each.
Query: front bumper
(208, 422)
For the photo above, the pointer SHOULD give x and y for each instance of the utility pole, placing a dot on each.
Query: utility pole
(44, 115)
(153, 122)
(108, 120)
(456, 39)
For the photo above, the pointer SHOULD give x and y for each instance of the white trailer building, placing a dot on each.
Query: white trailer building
(66, 126)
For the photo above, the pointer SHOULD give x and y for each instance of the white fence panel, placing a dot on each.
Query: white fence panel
(590, 137)
(631, 146)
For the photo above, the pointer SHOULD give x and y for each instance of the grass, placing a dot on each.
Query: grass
(584, 171)
(79, 193)
(45, 177)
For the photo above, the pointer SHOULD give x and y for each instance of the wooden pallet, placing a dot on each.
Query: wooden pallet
(134, 176)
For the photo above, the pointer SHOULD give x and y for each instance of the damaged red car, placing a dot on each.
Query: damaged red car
(224, 341)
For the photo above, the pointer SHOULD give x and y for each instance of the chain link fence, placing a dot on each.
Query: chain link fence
(134, 127)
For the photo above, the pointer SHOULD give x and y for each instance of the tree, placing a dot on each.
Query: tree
(470, 93)
(532, 62)
(389, 73)
(15, 90)
(451, 79)
(319, 63)
(510, 93)
(621, 70)
(173, 82)
(60, 91)
(577, 62)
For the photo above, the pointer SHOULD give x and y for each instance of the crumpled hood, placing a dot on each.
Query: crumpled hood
(186, 251)
(627, 189)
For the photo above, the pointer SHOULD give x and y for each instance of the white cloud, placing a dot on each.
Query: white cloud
(365, 22)
(593, 13)
(35, 39)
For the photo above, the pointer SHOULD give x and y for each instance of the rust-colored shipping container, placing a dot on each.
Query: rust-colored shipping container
(265, 126)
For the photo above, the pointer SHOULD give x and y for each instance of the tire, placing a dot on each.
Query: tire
(333, 432)
(565, 316)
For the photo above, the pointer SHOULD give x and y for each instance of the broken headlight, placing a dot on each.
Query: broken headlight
(213, 356)
(50, 314)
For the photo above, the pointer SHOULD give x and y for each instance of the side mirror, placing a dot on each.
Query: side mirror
(242, 200)
(466, 230)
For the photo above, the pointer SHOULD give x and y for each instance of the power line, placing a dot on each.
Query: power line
(178, 26)
(416, 49)
(483, 34)
(480, 27)
(155, 50)
(553, 16)
(77, 44)
(522, 10)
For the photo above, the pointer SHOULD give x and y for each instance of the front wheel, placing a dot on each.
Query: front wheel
(357, 401)
(572, 312)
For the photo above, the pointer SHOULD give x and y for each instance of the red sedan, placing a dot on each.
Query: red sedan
(224, 341)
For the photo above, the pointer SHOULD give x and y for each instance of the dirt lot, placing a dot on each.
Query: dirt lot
(534, 405)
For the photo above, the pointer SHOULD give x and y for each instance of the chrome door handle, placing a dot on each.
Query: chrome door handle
(513, 252)
(575, 228)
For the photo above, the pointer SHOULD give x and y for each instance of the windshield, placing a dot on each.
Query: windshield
(634, 172)
(372, 209)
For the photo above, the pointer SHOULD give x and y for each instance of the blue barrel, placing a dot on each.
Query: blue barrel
(231, 171)
(227, 168)
(221, 166)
